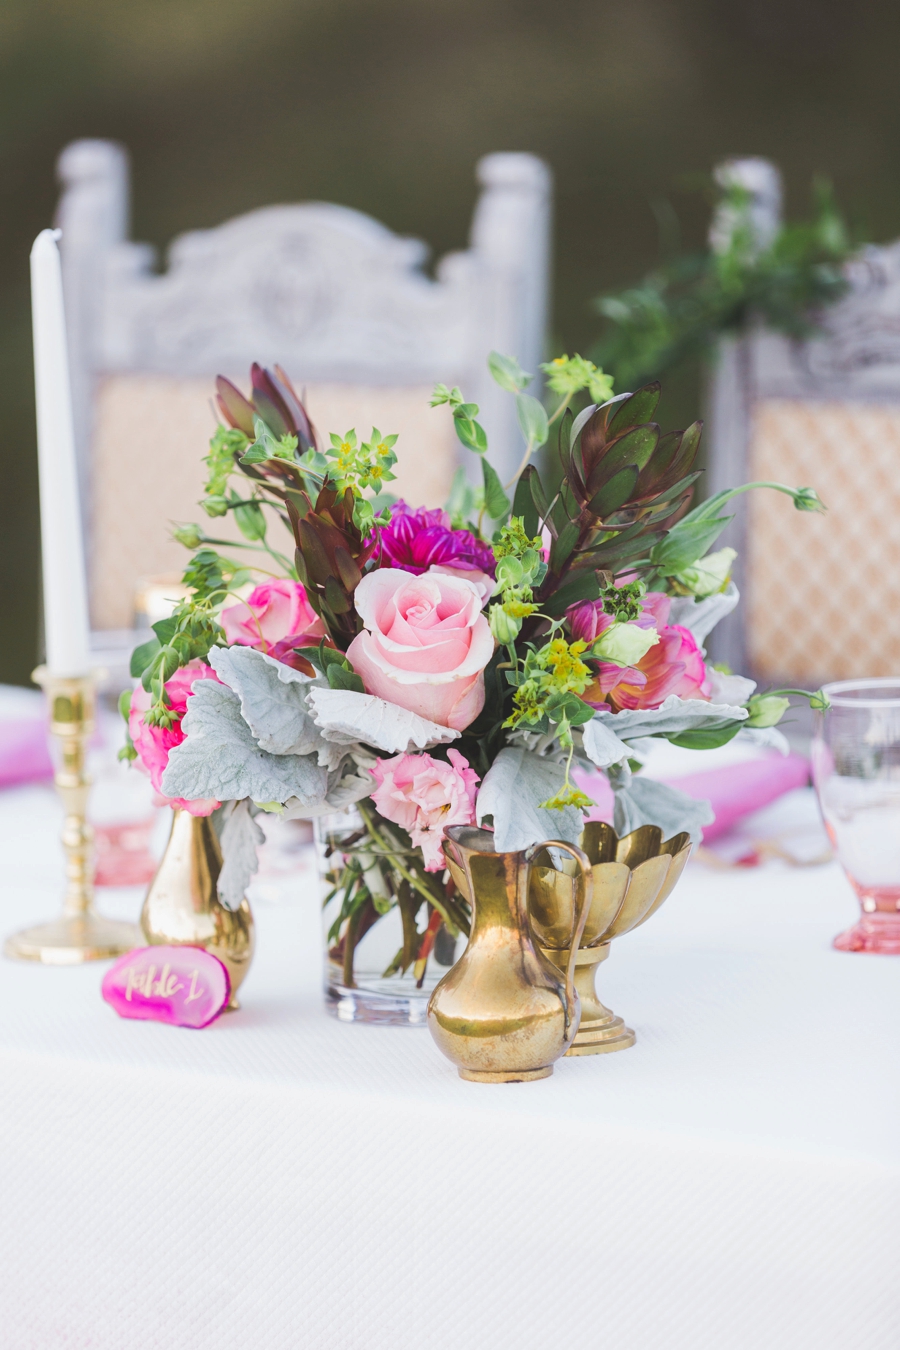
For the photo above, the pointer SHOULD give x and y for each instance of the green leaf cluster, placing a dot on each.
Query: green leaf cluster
(333, 665)
(681, 308)
(471, 433)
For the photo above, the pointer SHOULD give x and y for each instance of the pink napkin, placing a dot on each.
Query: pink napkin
(24, 756)
(734, 789)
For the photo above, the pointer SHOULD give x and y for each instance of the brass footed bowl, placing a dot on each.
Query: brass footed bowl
(632, 878)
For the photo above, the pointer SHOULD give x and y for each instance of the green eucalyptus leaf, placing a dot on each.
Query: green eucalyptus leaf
(706, 739)
(532, 417)
(496, 501)
(339, 677)
(685, 543)
(142, 656)
(165, 629)
(507, 372)
(471, 433)
(251, 520)
(523, 502)
(538, 495)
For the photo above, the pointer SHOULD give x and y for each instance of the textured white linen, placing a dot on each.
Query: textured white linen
(281, 1180)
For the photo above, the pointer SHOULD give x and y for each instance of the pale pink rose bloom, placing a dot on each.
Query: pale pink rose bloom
(154, 743)
(482, 580)
(274, 618)
(425, 644)
(424, 795)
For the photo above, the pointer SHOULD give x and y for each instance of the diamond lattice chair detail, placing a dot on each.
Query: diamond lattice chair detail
(330, 294)
(821, 591)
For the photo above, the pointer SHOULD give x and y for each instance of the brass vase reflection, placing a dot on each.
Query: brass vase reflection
(505, 1012)
(632, 877)
(182, 907)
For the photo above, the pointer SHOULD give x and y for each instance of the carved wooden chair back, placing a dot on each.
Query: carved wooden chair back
(820, 591)
(334, 297)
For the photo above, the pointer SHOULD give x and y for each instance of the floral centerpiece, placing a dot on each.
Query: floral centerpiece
(393, 670)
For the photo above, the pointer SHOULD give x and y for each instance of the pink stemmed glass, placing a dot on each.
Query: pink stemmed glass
(856, 770)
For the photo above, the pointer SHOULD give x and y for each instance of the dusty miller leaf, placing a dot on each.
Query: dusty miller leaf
(346, 717)
(220, 758)
(239, 837)
(512, 790)
(601, 744)
(273, 702)
(346, 785)
(673, 716)
(643, 801)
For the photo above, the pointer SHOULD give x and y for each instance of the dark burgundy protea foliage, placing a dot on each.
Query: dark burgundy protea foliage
(330, 550)
(330, 556)
(623, 486)
(274, 399)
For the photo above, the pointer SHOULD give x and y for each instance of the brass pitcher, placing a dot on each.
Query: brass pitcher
(182, 907)
(505, 1013)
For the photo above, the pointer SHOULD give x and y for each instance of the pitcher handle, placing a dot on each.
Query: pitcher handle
(586, 877)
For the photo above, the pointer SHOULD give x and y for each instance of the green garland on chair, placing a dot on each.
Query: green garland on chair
(678, 311)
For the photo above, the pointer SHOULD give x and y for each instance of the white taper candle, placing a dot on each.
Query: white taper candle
(66, 625)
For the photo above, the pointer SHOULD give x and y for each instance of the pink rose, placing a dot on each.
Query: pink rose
(424, 795)
(274, 618)
(481, 580)
(154, 743)
(425, 645)
(674, 665)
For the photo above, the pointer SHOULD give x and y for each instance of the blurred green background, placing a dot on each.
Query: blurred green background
(385, 105)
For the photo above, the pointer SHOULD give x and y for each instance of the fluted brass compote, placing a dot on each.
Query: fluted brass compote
(633, 876)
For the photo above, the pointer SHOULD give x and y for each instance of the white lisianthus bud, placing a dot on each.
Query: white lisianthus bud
(623, 644)
(766, 710)
(709, 575)
(504, 627)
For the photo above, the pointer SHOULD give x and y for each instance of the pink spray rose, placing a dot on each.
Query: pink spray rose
(673, 666)
(154, 743)
(425, 644)
(424, 795)
(274, 618)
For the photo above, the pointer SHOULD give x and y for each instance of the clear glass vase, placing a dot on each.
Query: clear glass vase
(856, 770)
(366, 946)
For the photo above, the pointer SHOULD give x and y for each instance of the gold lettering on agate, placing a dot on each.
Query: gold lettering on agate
(141, 982)
(194, 991)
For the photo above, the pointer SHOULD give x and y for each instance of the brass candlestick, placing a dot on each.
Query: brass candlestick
(81, 934)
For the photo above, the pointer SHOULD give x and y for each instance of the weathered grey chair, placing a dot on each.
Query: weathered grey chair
(333, 296)
(820, 592)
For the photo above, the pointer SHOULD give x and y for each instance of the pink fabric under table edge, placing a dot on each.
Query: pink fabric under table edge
(24, 753)
(734, 790)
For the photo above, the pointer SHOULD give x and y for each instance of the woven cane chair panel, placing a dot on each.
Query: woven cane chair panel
(823, 592)
(150, 435)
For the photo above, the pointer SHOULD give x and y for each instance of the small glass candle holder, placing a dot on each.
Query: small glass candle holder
(856, 771)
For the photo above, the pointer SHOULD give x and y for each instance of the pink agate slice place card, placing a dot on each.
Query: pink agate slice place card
(184, 986)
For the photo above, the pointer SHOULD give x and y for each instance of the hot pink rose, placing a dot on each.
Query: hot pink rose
(425, 645)
(424, 795)
(274, 618)
(154, 743)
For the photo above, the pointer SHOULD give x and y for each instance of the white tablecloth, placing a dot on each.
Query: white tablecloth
(281, 1180)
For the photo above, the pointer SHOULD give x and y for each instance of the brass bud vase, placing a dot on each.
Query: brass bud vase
(182, 907)
(505, 1013)
(632, 878)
